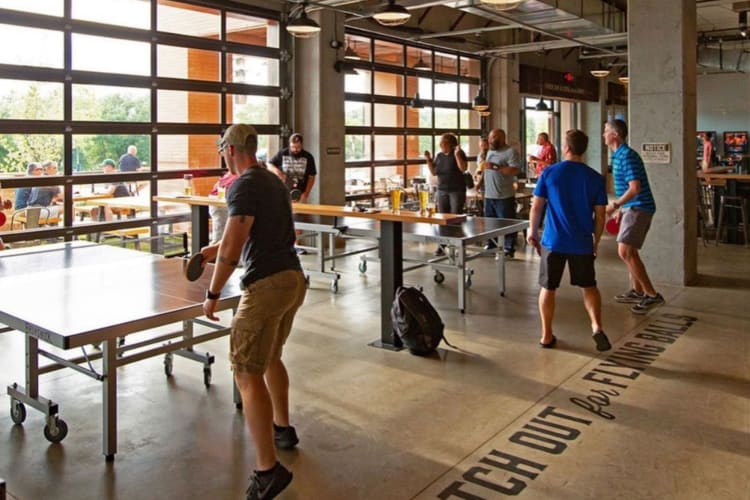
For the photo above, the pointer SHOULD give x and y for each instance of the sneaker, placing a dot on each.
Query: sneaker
(490, 245)
(647, 303)
(439, 251)
(285, 437)
(629, 297)
(267, 486)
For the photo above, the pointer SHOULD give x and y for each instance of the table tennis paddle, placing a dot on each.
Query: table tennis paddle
(194, 267)
(612, 226)
(2, 218)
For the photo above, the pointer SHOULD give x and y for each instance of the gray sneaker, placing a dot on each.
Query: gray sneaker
(285, 437)
(630, 297)
(267, 486)
(647, 304)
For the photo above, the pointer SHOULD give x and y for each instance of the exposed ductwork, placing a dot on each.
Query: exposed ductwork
(727, 60)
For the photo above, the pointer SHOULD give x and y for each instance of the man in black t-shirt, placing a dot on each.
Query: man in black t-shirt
(129, 162)
(296, 167)
(260, 233)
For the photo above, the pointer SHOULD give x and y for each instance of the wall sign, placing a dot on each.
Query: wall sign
(333, 151)
(656, 152)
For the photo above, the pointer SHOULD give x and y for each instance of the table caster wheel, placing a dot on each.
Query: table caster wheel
(363, 267)
(334, 286)
(168, 364)
(17, 411)
(439, 277)
(207, 376)
(59, 432)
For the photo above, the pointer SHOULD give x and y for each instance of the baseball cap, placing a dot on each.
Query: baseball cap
(109, 162)
(31, 167)
(236, 135)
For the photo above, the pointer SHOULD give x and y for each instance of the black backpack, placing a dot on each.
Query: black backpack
(416, 322)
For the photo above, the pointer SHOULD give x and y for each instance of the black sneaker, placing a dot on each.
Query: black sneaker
(285, 437)
(267, 486)
(629, 297)
(647, 303)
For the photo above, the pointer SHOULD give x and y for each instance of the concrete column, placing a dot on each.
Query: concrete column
(593, 115)
(505, 99)
(319, 105)
(662, 108)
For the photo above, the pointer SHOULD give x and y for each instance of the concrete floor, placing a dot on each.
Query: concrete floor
(665, 414)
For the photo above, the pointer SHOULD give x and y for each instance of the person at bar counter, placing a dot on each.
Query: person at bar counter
(448, 166)
(708, 152)
(575, 199)
(259, 233)
(501, 168)
(546, 156)
(635, 207)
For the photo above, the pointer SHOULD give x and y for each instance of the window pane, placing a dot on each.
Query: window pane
(421, 85)
(252, 70)
(24, 100)
(187, 19)
(389, 147)
(357, 114)
(268, 145)
(446, 91)
(389, 115)
(467, 92)
(357, 181)
(421, 118)
(359, 83)
(178, 106)
(469, 118)
(40, 47)
(360, 46)
(446, 118)
(94, 53)
(387, 177)
(446, 63)
(252, 30)
(357, 148)
(117, 104)
(18, 150)
(49, 7)
(389, 84)
(178, 152)
(389, 53)
(183, 62)
(258, 110)
(471, 67)
(137, 12)
(89, 151)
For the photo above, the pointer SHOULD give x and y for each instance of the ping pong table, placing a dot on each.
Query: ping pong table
(104, 293)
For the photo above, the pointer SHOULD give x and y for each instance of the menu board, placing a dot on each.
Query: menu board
(735, 143)
(699, 136)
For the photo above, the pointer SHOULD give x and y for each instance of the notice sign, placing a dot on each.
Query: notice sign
(656, 152)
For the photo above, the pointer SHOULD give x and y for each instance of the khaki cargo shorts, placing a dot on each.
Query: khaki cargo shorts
(264, 319)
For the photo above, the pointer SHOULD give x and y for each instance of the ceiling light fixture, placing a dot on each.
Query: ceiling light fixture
(503, 4)
(484, 113)
(302, 26)
(624, 79)
(743, 23)
(600, 71)
(541, 105)
(421, 65)
(480, 101)
(416, 103)
(392, 15)
(351, 54)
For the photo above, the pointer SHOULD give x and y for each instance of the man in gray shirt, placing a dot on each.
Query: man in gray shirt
(500, 171)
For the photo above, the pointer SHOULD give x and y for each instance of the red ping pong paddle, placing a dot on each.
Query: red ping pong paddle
(2, 218)
(194, 267)
(612, 226)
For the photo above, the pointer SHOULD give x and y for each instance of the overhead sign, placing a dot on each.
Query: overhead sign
(656, 152)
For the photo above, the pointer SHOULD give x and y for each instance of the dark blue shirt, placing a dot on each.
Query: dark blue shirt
(627, 166)
(572, 190)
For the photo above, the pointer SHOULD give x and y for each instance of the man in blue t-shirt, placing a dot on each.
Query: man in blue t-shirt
(636, 209)
(575, 200)
(260, 234)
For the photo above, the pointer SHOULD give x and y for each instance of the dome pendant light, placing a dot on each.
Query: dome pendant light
(502, 4)
(303, 26)
(480, 101)
(392, 15)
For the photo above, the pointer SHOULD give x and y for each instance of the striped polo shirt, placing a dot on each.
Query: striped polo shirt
(628, 166)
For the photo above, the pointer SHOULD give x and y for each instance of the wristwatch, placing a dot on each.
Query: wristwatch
(212, 296)
(616, 205)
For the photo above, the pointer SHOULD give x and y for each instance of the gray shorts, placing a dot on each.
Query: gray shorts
(634, 226)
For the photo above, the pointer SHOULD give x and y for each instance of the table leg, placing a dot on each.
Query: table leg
(391, 277)
(461, 271)
(199, 224)
(109, 399)
(500, 256)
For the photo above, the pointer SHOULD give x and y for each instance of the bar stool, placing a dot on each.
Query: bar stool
(735, 203)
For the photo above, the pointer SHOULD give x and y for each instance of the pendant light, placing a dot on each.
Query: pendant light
(600, 71)
(392, 15)
(480, 101)
(416, 103)
(502, 4)
(303, 26)
(541, 105)
(421, 65)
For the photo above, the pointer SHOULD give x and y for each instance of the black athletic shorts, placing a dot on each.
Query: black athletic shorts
(580, 267)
